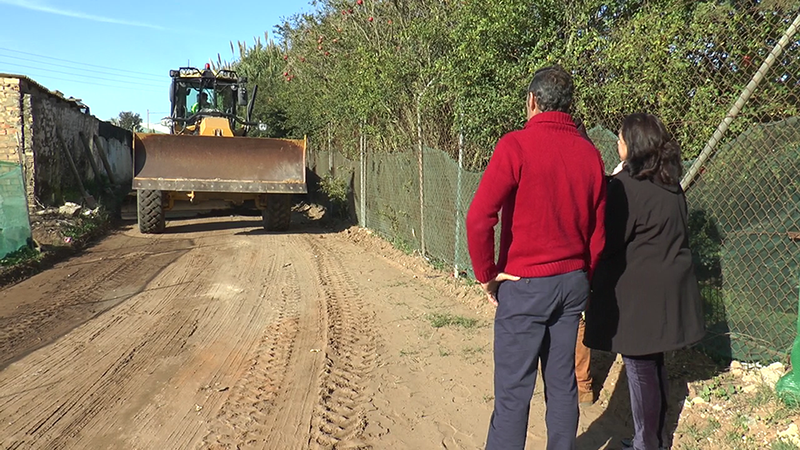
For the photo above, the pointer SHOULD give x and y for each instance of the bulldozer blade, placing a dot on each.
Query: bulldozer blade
(218, 164)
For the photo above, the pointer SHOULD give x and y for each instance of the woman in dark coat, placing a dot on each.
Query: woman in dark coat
(645, 298)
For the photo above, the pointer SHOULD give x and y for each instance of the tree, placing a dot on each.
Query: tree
(128, 120)
(386, 68)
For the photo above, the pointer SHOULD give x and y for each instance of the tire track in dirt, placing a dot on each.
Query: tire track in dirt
(271, 406)
(339, 418)
(57, 419)
(153, 365)
(161, 320)
(85, 290)
(254, 388)
(244, 341)
(241, 420)
(306, 386)
(223, 350)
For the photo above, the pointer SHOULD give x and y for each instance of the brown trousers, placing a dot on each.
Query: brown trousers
(583, 357)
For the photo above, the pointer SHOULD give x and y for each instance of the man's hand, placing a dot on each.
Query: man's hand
(491, 287)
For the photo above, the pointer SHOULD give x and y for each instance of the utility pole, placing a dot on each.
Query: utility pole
(148, 120)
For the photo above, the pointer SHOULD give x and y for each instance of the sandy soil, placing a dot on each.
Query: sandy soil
(217, 334)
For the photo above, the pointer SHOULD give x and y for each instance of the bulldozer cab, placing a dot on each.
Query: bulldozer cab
(198, 94)
(208, 156)
(202, 100)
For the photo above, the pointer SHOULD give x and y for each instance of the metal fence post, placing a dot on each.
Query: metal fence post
(459, 212)
(330, 153)
(740, 102)
(362, 179)
(421, 177)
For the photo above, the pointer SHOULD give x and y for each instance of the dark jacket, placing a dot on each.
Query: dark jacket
(645, 298)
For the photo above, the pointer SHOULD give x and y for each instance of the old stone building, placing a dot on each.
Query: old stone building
(41, 130)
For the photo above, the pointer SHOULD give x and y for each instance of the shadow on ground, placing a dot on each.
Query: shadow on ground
(611, 385)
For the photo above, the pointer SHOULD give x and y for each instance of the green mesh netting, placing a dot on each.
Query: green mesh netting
(606, 141)
(745, 209)
(448, 193)
(788, 387)
(392, 198)
(15, 229)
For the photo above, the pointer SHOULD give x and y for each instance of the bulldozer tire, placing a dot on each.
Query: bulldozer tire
(278, 214)
(150, 211)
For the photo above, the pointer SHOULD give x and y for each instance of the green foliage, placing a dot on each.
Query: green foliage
(86, 225)
(438, 264)
(763, 396)
(742, 207)
(782, 444)
(409, 74)
(782, 415)
(717, 390)
(335, 188)
(393, 69)
(25, 254)
(698, 433)
(473, 352)
(714, 304)
(439, 320)
(705, 240)
(128, 120)
(402, 245)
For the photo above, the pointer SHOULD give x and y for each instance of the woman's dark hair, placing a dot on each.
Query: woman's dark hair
(652, 151)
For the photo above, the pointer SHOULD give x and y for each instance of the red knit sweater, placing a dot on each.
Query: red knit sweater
(549, 182)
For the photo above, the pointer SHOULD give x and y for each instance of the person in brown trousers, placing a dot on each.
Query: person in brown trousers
(583, 357)
(583, 354)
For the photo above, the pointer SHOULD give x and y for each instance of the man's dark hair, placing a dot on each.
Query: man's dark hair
(652, 151)
(552, 87)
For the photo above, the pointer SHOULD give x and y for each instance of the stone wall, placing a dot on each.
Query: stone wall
(11, 125)
(15, 229)
(41, 130)
(10, 120)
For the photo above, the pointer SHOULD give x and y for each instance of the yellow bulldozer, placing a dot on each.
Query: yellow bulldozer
(208, 156)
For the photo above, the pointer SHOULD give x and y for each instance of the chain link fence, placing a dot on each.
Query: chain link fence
(732, 101)
(745, 217)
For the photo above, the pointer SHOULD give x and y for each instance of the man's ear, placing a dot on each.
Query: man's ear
(530, 104)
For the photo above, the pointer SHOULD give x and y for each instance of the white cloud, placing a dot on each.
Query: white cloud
(157, 127)
(42, 7)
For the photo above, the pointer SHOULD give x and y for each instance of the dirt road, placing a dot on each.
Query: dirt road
(218, 335)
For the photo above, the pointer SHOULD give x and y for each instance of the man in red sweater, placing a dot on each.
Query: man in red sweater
(548, 181)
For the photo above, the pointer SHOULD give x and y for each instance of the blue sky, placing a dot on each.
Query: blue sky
(58, 43)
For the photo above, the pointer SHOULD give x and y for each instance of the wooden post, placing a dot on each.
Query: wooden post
(760, 74)
(102, 152)
(90, 201)
(88, 148)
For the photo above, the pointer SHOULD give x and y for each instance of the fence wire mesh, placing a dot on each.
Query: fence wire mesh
(729, 83)
(745, 213)
(15, 229)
